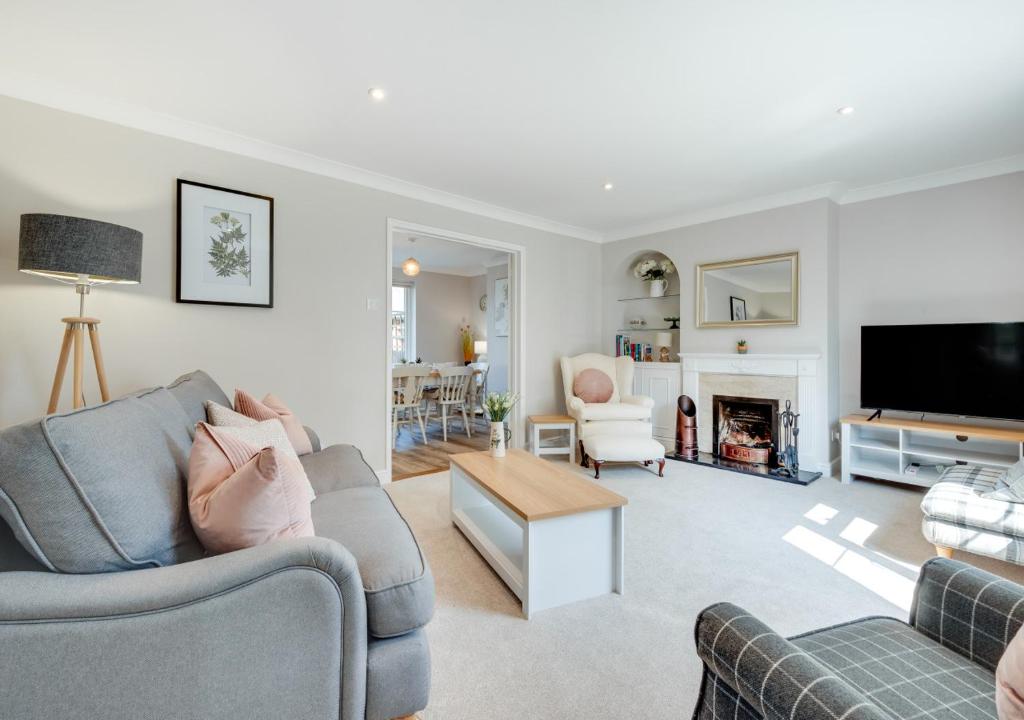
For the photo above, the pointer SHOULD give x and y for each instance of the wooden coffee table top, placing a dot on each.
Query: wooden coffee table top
(535, 489)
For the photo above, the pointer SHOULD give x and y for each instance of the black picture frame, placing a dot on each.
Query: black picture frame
(737, 306)
(177, 274)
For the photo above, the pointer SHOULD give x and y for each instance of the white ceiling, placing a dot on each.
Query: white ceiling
(444, 256)
(530, 106)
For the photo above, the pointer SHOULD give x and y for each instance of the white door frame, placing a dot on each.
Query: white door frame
(516, 335)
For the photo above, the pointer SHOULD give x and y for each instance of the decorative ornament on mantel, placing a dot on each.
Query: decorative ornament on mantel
(655, 273)
(741, 347)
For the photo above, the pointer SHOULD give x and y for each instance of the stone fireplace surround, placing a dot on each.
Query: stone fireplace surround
(774, 376)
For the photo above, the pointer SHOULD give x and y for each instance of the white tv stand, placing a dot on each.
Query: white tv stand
(883, 448)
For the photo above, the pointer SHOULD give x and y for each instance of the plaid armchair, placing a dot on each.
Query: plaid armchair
(939, 665)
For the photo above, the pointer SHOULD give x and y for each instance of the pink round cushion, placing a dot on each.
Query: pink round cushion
(593, 386)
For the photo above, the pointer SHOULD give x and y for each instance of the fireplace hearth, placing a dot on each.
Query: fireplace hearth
(746, 438)
(745, 429)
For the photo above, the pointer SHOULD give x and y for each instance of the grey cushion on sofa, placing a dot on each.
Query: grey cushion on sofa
(398, 584)
(101, 488)
(192, 390)
(338, 467)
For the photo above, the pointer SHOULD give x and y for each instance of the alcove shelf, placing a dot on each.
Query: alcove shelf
(648, 297)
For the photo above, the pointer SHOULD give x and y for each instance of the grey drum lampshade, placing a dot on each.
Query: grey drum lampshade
(67, 247)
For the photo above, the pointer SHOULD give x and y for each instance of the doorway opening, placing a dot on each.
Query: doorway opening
(454, 335)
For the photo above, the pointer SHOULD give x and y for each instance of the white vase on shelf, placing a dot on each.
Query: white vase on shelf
(497, 444)
(657, 287)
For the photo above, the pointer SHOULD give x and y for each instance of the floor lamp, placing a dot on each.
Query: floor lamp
(82, 253)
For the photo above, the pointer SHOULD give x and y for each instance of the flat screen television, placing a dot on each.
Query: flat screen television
(971, 369)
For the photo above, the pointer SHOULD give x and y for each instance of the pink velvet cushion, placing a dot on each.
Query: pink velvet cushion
(241, 495)
(592, 386)
(273, 409)
(1010, 681)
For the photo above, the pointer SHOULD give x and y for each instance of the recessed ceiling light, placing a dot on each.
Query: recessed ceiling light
(608, 186)
(845, 110)
(377, 94)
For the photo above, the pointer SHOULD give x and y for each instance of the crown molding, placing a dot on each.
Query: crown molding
(830, 190)
(464, 272)
(835, 191)
(951, 176)
(60, 97)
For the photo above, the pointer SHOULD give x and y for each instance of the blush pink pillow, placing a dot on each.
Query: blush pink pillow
(1010, 681)
(241, 495)
(273, 409)
(592, 386)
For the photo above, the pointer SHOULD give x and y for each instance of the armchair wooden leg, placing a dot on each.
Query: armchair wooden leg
(943, 551)
(661, 468)
(583, 455)
(597, 468)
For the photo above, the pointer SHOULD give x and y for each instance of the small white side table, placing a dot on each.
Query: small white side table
(553, 422)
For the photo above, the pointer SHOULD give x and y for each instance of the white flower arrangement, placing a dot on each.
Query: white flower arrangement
(651, 269)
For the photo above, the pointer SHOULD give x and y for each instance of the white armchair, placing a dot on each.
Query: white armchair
(619, 430)
(623, 414)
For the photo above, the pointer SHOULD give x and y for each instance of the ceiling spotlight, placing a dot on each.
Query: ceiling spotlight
(608, 186)
(845, 110)
(377, 94)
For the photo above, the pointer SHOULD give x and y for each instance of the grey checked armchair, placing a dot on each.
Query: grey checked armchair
(939, 665)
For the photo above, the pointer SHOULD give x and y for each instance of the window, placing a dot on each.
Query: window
(403, 323)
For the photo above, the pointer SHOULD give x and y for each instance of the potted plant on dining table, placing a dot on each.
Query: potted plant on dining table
(498, 406)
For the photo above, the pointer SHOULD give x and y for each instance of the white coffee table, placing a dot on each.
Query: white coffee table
(553, 537)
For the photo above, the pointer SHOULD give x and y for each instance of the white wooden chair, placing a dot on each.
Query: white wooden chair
(407, 395)
(478, 387)
(452, 390)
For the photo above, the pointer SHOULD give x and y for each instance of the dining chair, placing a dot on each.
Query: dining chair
(407, 383)
(478, 386)
(452, 388)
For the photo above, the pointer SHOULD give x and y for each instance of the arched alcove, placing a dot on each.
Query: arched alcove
(641, 314)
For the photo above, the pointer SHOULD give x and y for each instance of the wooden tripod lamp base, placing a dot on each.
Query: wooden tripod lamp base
(74, 336)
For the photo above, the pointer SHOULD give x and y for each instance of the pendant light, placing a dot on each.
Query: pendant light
(411, 266)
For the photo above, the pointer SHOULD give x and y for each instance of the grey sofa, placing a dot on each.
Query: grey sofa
(109, 608)
(939, 665)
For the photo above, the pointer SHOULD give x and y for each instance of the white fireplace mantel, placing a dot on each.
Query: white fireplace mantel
(802, 366)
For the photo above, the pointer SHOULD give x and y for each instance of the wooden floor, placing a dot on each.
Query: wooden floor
(411, 457)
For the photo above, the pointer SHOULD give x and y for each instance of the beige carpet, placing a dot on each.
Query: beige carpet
(797, 557)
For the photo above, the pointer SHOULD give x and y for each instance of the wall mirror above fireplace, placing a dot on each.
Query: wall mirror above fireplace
(754, 291)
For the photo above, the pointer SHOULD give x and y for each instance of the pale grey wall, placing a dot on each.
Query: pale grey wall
(319, 348)
(950, 254)
(443, 303)
(497, 347)
(808, 228)
(478, 317)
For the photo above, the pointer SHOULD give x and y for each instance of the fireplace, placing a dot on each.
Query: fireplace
(745, 429)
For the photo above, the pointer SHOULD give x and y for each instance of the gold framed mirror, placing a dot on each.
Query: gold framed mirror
(751, 292)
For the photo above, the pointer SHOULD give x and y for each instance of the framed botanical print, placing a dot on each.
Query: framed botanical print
(225, 246)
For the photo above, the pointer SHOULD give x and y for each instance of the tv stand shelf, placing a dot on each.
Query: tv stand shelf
(883, 448)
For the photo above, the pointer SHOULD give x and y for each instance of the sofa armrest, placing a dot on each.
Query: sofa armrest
(641, 400)
(769, 673)
(314, 439)
(277, 630)
(970, 611)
